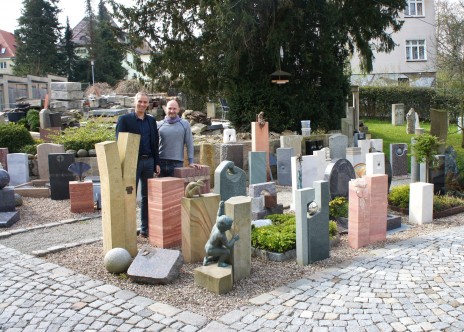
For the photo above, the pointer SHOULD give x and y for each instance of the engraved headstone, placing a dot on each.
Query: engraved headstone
(229, 180)
(439, 124)
(60, 176)
(43, 150)
(399, 159)
(232, 152)
(375, 163)
(339, 173)
(291, 141)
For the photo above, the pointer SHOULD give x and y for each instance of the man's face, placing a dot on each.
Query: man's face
(141, 104)
(172, 109)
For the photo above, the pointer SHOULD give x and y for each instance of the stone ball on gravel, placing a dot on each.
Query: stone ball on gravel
(18, 199)
(92, 153)
(117, 260)
(4, 178)
(82, 153)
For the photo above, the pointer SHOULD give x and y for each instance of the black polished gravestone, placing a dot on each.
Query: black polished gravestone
(339, 173)
(313, 145)
(55, 119)
(60, 176)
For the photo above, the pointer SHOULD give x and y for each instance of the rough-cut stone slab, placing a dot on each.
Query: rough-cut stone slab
(155, 266)
(8, 218)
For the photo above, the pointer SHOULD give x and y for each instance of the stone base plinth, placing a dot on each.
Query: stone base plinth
(81, 196)
(8, 218)
(215, 279)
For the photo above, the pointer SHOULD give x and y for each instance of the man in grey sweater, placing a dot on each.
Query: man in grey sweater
(174, 133)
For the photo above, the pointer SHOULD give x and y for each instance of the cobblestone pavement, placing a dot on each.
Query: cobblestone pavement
(414, 285)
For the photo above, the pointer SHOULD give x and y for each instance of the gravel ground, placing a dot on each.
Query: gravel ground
(265, 275)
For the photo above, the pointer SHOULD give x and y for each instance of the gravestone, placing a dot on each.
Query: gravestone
(18, 168)
(267, 194)
(365, 146)
(439, 124)
(43, 150)
(367, 219)
(337, 145)
(3, 158)
(410, 121)
(415, 166)
(232, 152)
(260, 140)
(460, 124)
(376, 145)
(155, 266)
(291, 141)
(312, 230)
(8, 215)
(421, 203)
(257, 167)
(437, 174)
(284, 168)
(399, 159)
(60, 176)
(211, 110)
(451, 166)
(44, 118)
(339, 173)
(347, 129)
(388, 171)
(229, 136)
(375, 163)
(397, 114)
(417, 125)
(229, 180)
(355, 104)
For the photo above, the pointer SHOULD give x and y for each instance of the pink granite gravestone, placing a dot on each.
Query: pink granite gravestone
(367, 215)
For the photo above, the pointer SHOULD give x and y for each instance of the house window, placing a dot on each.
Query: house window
(414, 8)
(2, 65)
(415, 50)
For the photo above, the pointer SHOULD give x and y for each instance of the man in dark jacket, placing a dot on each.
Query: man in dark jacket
(148, 161)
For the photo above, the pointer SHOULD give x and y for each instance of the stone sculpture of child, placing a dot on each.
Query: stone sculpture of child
(217, 247)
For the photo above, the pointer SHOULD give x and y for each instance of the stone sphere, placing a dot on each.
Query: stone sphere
(18, 199)
(82, 153)
(4, 178)
(92, 153)
(117, 260)
(73, 152)
(312, 208)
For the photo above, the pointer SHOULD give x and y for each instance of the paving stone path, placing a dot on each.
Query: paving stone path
(414, 285)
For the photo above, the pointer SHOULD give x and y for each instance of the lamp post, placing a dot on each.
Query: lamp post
(92, 62)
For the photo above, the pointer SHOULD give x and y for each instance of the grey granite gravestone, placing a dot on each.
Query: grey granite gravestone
(337, 145)
(284, 167)
(451, 167)
(437, 174)
(18, 168)
(399, 159)
(257, 166)
(312, 230)
(411, 121)
(439, 124)
(232, 152)
(388, 171)
(291, 141)
(8, 215)
(229, 180)
(44, 118)
(155, 266)
(60, 176)
(3, 158)
(339, 173)
(267, 193)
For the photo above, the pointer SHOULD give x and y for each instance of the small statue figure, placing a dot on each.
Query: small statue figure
(218, 247)
(193, 189)
(260, 119)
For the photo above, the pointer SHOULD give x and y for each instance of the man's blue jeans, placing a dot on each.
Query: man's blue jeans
(145, 170)
(167, 167)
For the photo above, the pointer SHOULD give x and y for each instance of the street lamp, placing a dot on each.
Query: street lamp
(92, 62)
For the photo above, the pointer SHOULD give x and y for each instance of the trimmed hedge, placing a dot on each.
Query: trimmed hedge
(14, 137)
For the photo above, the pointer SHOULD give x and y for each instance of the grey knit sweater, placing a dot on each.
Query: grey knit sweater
(173, 137)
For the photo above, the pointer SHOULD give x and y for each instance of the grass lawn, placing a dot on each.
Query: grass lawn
(397, 134)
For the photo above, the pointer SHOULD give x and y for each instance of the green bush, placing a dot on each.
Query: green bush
(276, 237)
(338, 207)
(333, 231)
(278, 219)
(32, 119)
(444, 202)
(399, 196)
(76, 138)
(14, 137)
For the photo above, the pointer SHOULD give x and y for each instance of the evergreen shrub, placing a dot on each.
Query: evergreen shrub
(14, 137)
(338, 207)
(399, 196)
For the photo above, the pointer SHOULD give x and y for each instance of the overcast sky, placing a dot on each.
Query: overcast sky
(74, 9)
